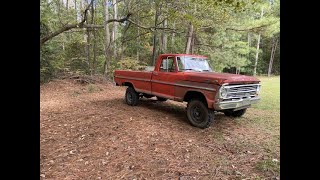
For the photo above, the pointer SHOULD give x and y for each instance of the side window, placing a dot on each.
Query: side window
(168, 65)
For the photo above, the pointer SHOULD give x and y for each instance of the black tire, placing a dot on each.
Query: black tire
(238, 113)
(132, 97)
(228, 113)
(199, 115)
(161, 99)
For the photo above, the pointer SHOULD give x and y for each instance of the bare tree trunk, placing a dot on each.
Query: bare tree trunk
(63, 49)
(274, 48)
(88, 50)
(122, 48)
(193, 43)
(80, 24)
(85, 37)
(67, 5)
(189, 38)
(164, 37)
(249, 45)
(75, 8)
(160, 50)
(107, 37)
(88, 47)
(138, 49)
(270, 61)
(114, 28)
(257, 53)
(155, 36)
(257, 56)
(93, 21)
(172, 38)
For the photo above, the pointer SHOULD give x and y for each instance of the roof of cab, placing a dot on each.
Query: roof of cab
(192, 55)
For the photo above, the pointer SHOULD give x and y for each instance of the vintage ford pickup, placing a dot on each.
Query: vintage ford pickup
(189, 78)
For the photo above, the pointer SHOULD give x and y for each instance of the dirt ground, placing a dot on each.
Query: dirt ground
(88, 132)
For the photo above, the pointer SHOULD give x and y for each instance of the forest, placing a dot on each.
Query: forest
(95, 37)
(88, 132)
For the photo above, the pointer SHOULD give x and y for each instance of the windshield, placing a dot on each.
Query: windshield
(187, 63)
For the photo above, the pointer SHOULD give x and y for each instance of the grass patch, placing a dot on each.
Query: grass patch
(218, 135)
(262, 133)
(92, 88)
(270, 94)
(268, 165)
(75, 93)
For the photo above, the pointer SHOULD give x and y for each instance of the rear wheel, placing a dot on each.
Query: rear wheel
(199, 115)
(238, 113)
(161, 99)
(132, 97)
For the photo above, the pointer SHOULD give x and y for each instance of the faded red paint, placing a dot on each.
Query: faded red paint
(175, 85)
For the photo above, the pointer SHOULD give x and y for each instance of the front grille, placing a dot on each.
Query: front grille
(241, 91)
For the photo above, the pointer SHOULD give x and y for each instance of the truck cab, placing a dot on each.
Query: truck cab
(189, 78)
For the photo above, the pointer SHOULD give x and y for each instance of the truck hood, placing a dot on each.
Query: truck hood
(220, 78)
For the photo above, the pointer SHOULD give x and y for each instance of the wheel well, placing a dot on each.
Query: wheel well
(127, 84)
(194, 95)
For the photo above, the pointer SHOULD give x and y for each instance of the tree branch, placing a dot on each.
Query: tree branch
(81, 25)
(125, 40)
(51, 35)
(250, 29)
(67, 27)
(143, 27)
(209, 45)
(152, 28)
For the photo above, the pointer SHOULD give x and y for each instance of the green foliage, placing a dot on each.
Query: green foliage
(268, 165)
(221, 31)
(131, 64)
(92, 88)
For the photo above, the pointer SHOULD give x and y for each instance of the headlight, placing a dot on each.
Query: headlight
(258, 89)
(223, 92)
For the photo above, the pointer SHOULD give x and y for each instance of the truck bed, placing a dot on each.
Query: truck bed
(140, 79)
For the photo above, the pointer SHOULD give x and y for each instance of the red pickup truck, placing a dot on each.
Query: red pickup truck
(189, 78)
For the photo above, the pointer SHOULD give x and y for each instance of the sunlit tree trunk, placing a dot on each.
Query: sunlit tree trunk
(163, 44)
(75, 8)
(189, 38)
(172, 38)
(155, 34)
(193, 42)
(107, 38)
(93, 21)
(257, 53)
(138, 49)
(114, 28)
(273, 51)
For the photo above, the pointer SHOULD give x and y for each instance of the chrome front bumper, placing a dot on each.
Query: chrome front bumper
(238, 104)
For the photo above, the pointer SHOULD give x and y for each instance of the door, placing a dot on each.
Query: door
(162, 82)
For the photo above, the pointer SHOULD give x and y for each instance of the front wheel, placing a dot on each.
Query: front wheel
(199, 115)
(132, 97)
(238, 113)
